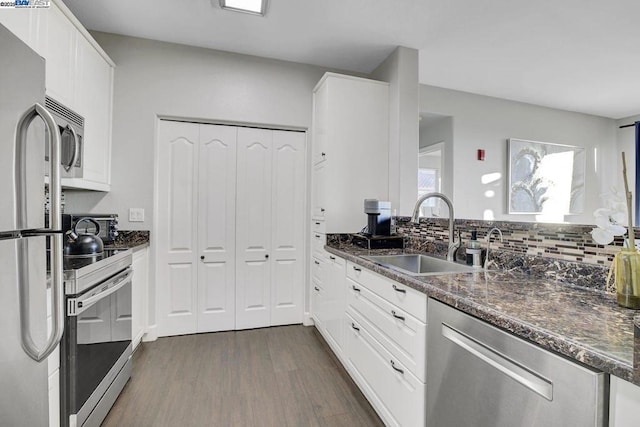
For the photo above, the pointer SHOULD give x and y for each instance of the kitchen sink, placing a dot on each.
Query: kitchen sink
(419, 265)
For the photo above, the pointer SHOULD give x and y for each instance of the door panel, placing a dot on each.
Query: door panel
(181, 195)
(285, 285)
(177, 225)
(287, 226)
(180, 280)
(216, 228)
(253, 233)
(213, 299)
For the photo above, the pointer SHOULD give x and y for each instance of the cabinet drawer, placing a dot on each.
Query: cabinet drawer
(318, 270)
(317, 304)
(317, 244)
(318, 226)
(402, 334)
(404, 297)
(396, 393)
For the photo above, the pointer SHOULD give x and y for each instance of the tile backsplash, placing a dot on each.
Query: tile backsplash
(564, 252)
(566, 242)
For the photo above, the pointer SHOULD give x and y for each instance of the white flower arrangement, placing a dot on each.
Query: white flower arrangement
(612, 220)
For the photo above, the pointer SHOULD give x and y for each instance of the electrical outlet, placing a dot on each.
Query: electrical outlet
(136, 214)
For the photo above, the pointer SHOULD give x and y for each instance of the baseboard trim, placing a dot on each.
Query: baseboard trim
(307, 320)
(152, 334)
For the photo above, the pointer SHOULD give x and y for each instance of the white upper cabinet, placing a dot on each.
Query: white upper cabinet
(59, 38)
(94, 84)
(350, 149)
(79, 75)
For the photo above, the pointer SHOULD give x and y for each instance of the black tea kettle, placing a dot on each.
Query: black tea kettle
(83, 244)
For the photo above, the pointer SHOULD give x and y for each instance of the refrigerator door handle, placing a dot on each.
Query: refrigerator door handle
(55, 218)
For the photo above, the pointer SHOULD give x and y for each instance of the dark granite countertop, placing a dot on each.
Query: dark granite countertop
(582, 324)
(130, 239)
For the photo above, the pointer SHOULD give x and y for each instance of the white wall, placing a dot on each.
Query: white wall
(400, 69)
(482, 122)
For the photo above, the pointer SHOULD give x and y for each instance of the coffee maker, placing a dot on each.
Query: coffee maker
(379, 233)
(379, 217)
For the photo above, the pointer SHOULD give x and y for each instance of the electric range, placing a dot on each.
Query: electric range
(84, 272)
(95, 352)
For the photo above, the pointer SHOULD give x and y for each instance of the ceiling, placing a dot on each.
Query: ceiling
(577, 55)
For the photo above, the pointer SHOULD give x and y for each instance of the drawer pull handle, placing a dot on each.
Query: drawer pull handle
(321, 209)
(356, 268)
(317, 223)
(332, 258)
(355, 327)
(393, 365)
(355, 288)
(393, 313)
(316, 288)
(397, 289)
(316, 262)
(317, 236)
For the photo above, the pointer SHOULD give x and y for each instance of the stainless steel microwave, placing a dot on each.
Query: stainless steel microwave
(71, 128)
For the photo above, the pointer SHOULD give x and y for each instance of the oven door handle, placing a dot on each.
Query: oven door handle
(75, 306)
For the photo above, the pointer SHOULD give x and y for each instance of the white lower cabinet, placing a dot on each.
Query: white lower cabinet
(377, 328)
(402, 334)
(396, 394)
(139, 292)
(328, 299)
(335, 295)
(318, 305)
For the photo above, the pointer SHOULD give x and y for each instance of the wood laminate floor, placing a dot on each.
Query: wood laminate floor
(282, 376)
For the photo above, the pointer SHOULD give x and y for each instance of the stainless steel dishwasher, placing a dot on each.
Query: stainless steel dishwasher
(479, 375)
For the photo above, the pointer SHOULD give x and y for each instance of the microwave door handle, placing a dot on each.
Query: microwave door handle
(55, 218)
(76, 149)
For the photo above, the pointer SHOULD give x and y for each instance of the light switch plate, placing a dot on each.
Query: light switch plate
(136, 214)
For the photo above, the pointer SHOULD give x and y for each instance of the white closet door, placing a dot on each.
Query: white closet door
(253, 233)
(216, 228)
(287, 227)
(177, 280)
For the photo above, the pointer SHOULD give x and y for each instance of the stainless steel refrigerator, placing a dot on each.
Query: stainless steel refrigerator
(25, 342)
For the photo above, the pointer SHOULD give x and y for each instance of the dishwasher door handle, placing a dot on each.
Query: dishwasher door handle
(497, 360)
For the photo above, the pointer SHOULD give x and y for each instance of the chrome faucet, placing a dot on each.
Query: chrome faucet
(453, 245)
(497, 230)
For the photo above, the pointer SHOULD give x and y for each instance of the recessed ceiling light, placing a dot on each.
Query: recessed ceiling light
(256, 7)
